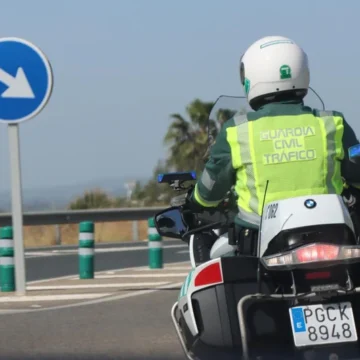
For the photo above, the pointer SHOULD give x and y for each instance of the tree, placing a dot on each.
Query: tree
(154, 193)
(224, 115)
(188, 139)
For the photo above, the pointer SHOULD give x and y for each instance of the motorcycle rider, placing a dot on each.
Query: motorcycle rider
(297, 149)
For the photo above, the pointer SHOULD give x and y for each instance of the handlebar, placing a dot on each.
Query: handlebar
(195, 218)
(202, 219)
(203, 228)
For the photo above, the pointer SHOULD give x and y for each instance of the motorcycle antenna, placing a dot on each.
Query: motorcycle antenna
(322, 102)
(259, 238)
(210, 137)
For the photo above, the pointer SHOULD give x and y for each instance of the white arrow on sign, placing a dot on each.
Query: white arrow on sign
(18, 86)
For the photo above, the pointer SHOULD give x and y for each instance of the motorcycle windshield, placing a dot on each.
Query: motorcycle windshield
(226, 107)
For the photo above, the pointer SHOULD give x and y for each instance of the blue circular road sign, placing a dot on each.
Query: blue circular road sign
(26, 80)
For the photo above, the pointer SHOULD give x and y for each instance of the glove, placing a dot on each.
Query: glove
(348, 197)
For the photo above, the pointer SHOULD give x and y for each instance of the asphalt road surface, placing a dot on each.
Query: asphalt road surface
(132, 323)
(132, 329)
(123, 313)
(48, 263)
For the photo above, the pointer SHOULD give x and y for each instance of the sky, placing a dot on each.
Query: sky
(121, 67)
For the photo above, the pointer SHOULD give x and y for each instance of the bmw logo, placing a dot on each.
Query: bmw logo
(310, 203)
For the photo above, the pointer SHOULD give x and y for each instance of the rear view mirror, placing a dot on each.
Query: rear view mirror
(354, 154)
(169, 223)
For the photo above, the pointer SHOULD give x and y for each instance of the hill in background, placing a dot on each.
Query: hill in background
(59, 197)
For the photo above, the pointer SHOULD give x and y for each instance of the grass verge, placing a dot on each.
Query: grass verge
(45, 235)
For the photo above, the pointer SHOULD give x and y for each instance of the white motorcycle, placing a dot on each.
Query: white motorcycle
(288, 289)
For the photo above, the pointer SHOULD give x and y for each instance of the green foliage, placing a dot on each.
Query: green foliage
(92, 199)
(187, 140)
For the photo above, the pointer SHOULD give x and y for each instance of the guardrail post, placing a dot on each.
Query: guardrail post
(57, 235)
(135, 230)
(155, 246)
(86, 250)
(7, 268)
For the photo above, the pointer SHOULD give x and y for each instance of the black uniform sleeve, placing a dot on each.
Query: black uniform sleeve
(349, 170)
(218, 175)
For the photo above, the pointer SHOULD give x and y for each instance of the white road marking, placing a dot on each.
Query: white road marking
(51, 297)
(94, 301)
(36, 254)
(183, 252)
(72, 276)
(93, 286)
(102, 297)
(51, 279)
(137, 276)
(187, 268)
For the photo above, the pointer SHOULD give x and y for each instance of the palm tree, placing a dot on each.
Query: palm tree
(224, 115)
(189, 139)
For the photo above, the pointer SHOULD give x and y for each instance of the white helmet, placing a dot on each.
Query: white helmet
(272, 65)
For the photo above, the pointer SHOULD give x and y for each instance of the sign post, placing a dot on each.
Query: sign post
(26, 83)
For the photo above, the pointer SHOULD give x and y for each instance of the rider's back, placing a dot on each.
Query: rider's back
(298, 150)
(293, 149)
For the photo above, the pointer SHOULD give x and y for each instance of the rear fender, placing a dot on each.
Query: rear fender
(205, 272)
(213, 250)
(296, 212)
(222, 247)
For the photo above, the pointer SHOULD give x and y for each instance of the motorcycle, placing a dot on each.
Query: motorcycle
(287, 289)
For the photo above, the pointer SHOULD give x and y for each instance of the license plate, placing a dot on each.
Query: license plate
(323, 324)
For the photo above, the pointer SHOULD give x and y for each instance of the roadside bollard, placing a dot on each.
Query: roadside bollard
(86, 250)
(7, 268)
(155, 246)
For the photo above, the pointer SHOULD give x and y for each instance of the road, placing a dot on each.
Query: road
(133, 324)
(123, 313)
(46, 263)
(132, 329)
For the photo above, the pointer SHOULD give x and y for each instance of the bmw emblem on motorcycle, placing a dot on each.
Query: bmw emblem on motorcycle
(310, 203)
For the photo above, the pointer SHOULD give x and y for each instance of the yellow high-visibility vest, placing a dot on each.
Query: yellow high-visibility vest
(297, 154)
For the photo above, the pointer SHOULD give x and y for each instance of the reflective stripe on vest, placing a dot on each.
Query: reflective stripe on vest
(276, 149)
(204, 202)
(334, 128)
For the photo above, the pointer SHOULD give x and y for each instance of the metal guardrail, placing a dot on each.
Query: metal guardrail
(76, 216)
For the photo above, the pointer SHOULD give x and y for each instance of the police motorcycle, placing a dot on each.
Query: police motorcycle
(288, 290)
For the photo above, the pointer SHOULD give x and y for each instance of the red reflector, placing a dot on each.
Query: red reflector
(209, 275)
(318, 275)
(317, 252)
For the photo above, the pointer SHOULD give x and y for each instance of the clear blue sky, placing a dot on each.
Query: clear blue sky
(122, 66)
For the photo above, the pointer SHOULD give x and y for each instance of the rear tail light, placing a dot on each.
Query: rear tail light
(312, 254)
(317, 252)
(209, 275)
